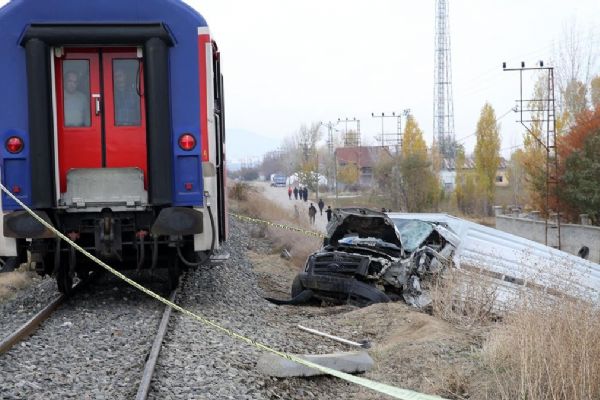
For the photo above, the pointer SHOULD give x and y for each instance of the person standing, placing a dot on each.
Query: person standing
(328, 212)
(312, 212)
(305, 194)
(127, 100)
(321, 206)
(76, 103)
(295, 192)
(290, 192)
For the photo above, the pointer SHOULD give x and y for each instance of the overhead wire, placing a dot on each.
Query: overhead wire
(497, 119)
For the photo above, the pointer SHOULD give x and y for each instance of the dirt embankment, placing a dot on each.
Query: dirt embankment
(411, 349)
(539, 351)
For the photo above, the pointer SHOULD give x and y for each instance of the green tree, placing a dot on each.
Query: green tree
(420, 187)
(582, 178)
(465, 190)
(487, 155)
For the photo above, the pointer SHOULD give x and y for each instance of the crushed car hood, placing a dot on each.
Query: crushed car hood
(362, 223)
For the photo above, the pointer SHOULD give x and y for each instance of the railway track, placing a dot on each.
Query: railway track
(34, 322)
(91, 345)
(29, 327)
(98, 344)
(146, 381)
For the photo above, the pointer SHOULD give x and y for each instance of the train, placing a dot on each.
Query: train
(112, 127)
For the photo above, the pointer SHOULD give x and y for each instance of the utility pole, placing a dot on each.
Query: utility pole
(336, 176)
(330, 128)
(530, 114)
(398, 134)
(317, 168)
(351, 140)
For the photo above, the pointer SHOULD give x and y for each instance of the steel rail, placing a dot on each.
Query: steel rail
(30, 326)
(144, 387)
(34, 322)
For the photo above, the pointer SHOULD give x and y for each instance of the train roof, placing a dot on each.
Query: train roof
(17, 15)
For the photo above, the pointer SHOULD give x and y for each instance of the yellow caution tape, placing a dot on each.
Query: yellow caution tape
(398, 393)
(276, 225)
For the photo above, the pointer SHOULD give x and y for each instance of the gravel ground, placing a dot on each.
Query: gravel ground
(200, 362)
(20, 308)
(93, 347)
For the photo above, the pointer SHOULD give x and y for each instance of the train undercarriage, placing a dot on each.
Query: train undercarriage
(146, 241)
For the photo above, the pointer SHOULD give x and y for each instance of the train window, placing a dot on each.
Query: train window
(76, 92)
(126, 92)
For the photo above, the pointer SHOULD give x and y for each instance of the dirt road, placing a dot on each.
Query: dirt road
(279, 195)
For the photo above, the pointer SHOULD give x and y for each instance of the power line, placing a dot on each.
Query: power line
(497, 119)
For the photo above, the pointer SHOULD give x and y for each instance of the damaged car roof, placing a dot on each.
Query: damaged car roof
(363, 223)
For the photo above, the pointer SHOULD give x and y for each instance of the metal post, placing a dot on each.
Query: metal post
(317, 168)
(546, 105)
(336, 177)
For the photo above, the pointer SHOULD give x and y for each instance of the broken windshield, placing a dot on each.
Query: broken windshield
(413, 232)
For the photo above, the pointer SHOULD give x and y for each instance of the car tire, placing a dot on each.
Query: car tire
(297, 286)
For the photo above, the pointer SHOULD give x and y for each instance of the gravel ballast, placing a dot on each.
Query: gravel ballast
(95, 346)
(201, 362)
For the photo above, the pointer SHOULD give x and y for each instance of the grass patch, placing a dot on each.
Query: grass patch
(11, 282)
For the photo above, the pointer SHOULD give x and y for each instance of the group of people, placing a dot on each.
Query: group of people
(312, 211)
(77, 99)
(301, 193)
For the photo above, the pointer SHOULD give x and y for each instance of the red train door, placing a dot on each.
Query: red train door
(101, 119)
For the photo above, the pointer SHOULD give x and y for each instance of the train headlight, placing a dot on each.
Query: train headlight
(187, 142)
(14, 144)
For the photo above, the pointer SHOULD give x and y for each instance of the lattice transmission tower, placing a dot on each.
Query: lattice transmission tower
(443, 104)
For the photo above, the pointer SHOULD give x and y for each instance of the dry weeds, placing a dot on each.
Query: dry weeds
(11, 282)
(464, 298)
(248, 201)
(547, 351)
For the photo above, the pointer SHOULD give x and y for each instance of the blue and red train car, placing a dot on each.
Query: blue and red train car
(112, 129)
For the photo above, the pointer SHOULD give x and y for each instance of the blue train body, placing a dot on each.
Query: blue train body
(177, 150)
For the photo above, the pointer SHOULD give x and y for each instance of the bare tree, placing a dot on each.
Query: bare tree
(575, 64)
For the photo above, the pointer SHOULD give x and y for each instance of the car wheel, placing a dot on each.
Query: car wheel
(297, 286)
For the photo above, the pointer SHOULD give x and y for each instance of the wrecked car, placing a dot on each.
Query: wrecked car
(367, 258)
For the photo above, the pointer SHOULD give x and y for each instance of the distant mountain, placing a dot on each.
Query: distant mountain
(245, 146)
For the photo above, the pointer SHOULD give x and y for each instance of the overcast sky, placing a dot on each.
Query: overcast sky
(292, 62)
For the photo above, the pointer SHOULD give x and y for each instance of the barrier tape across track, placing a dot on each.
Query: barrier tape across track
(398, 393)
(276, 225)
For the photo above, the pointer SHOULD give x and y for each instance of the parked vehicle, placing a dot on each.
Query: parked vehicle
(278, 180)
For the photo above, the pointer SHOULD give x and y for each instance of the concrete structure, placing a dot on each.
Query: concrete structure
(572, 236)
(448, 172)
(352, 362)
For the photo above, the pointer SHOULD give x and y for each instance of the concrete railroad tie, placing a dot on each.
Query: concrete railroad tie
(349, 362)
